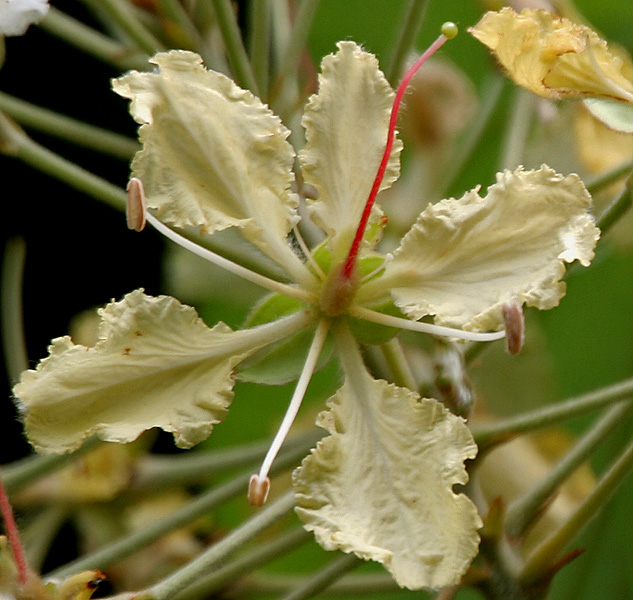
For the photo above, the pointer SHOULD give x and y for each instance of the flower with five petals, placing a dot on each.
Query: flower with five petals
(215, 157)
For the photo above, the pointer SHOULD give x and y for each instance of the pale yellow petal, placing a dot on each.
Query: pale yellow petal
(554, 57)
(346, 128)
(465, 258)
(156, 365)
(214, 156)
(381, 485)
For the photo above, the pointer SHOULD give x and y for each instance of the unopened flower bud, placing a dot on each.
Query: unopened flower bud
(439, 103)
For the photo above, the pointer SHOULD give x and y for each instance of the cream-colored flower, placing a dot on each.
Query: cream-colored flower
(559, 59)
(214, 157)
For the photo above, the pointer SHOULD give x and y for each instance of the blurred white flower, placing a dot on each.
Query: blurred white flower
(17, 15)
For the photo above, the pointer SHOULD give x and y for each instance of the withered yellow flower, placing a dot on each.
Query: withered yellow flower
(554, 57)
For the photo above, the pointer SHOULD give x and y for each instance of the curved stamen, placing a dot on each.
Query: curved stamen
(260, 483)
(308, 253)
(382, 267)
(448, 32)
(400, 323)
(136, 203)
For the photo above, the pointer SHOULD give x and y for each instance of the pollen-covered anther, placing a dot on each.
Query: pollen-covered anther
(258, 488)
(514, 325)
(136, 209)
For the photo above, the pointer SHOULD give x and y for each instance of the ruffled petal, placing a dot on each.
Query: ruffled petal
(346, 128)
(156, 365)
(213, 155)
(465, 258)
(554, 57)
(381, 484)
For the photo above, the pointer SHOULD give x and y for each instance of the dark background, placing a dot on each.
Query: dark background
(79, 252)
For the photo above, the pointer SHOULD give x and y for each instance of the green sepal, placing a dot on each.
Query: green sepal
(282, 362)
(373, 333)
(272, 307)
(367, 264)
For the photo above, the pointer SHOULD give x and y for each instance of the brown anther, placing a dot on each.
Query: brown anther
(514, 325)
(258, 489)
(136, 207)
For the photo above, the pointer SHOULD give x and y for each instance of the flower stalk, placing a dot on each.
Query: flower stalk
(503, 430)
(522, 512)
(538, 564)
(217, 554)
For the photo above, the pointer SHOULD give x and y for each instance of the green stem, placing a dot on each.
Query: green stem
(21, 473)
(495, 433)
(13, 343)
(217, 554)
(545, 555)
(202, 15)
(186, 34)
(187, 469)
(405, 45)
(235, 48)
(518, 128)
(122, 15)
(66, 128)
(92, 42)
(620, 205)
(260, 44)
(398, 364)
(273, 585)
(202, 505)
(231, 572)
(491, 95)
(522, 512)
(281, 26)
(323, 578)
(298, 38)
(608, 177)
(15, 143)
(39, 533)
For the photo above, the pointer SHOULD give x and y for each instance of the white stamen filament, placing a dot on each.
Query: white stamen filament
(258, 482)
(382, 267)
(400, 323)
(226, 264)
(307, 253)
